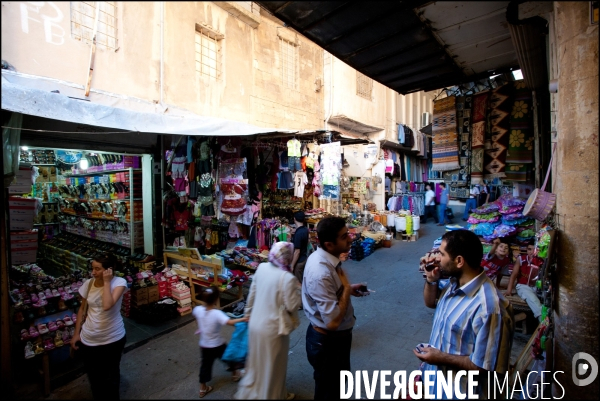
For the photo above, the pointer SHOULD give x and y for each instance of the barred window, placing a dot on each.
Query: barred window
(208, 53)
(289, 63)
(364, 86)
(83, 17)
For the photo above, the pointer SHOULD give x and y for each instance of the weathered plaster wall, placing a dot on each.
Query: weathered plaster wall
(576, 184)
(36, 40)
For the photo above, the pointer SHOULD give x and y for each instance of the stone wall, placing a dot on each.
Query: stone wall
(576, 184)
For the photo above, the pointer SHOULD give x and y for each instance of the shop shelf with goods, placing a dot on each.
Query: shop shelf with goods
(209, 272)
(109, 196)
(43, 309)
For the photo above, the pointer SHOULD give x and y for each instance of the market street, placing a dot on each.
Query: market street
(390, 323)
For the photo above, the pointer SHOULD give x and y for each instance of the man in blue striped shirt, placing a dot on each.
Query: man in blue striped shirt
(472, 325)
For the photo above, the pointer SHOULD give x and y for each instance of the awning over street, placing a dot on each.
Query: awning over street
(408, 45)
(64, 101)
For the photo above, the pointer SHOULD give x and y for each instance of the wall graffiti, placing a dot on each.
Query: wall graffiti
(51, 15)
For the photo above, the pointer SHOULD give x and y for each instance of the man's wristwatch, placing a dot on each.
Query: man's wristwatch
(431, 282)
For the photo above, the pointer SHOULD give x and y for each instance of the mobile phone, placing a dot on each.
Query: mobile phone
(363, 288)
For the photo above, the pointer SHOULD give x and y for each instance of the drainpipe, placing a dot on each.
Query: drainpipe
(162, 139)
(162, 32)
(330, 91)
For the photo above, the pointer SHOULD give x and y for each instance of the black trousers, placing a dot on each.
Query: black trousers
(209, 355)
(328, 354)
(430, 211)
(102, 364)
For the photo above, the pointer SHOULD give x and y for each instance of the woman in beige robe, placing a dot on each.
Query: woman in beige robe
(266, 365)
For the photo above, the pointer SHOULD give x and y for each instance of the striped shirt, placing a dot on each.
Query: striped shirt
(474, 320)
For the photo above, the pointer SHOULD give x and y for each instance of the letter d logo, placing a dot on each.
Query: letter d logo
(581, 368)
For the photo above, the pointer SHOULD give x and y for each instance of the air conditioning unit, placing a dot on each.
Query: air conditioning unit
(425, 119)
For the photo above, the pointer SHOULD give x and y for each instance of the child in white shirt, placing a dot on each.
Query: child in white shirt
(212, 344)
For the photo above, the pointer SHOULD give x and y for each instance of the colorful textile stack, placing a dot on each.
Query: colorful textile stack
(484, 220)
(520, 145)
(478, 122)
(360, 249)
(496, 140)
(506, 214)
(445, 140)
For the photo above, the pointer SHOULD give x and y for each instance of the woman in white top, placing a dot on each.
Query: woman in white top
(101, 338)
(273, 286)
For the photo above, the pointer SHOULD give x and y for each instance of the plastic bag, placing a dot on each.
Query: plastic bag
(237, 349)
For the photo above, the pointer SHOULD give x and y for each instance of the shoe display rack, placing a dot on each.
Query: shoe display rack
(202, 274)
(44, 312)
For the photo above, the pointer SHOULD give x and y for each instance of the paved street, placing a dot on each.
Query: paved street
(390, 322)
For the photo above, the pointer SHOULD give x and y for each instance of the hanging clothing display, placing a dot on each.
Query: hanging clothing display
(300, 181)
(415, 202)
(330, 168)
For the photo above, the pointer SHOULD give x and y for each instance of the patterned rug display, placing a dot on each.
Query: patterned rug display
(519, 157)
(478, 128)
(445, 140)
(496, 140)
(460, 177)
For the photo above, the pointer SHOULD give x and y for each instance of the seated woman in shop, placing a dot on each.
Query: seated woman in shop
(496, 262)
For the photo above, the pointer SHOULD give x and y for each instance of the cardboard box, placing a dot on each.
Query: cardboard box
(20, 257)
(140, 293)
(23, 245)
(139, 302)
(15, 202)
(184, 302)
(152, 290)
(24, 235)
(153, 298)
(21, 221)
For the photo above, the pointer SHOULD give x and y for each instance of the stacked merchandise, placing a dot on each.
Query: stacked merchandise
(512, 216)
(501, 218)
(361, 248)
(484, 220)
(182, 294)
(44, 308)
(243, 256)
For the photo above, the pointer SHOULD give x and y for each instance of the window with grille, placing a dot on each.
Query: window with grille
(83, 17)
(208, 53)
(364, 86)
(289, 63)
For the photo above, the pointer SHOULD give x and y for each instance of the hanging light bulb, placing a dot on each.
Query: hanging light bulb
(83, 163)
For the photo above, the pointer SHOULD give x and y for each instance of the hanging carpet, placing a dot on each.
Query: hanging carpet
(460, 177)
(496, 140)
(445, 140)
(520, 145)
(478, 126)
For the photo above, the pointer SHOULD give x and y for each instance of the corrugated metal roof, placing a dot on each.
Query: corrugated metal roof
(407, 45)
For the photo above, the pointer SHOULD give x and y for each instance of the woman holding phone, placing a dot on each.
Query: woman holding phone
(100, 333)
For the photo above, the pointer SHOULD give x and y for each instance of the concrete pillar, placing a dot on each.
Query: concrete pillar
(576, 184)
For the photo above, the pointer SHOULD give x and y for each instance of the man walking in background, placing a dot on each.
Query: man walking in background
(444, 198)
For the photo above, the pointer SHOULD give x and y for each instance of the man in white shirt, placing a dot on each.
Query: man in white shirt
(471, 202)
(429, 204)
